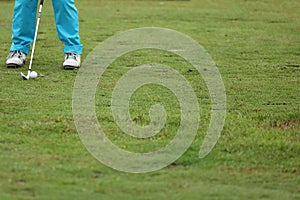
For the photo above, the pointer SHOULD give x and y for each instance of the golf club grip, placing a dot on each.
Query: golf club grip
(42, 2)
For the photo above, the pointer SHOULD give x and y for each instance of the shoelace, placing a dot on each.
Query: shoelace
(72, 55)
(15, 54)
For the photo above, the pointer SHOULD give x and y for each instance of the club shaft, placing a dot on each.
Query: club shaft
(35, 36)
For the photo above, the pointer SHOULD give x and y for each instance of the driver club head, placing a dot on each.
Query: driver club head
(24, 77)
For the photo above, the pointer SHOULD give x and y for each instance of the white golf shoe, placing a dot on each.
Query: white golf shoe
(72, 61)
(15, 59)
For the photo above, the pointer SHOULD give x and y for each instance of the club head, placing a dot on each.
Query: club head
(24, 77)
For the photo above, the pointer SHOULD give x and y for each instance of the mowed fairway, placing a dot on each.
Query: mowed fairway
(256, 46)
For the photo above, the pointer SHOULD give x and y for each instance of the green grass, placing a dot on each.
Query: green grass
(256, 47)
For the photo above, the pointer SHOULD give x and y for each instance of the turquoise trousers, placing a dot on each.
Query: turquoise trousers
(24, 22)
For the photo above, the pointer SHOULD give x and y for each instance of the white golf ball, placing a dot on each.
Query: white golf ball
(33, 75)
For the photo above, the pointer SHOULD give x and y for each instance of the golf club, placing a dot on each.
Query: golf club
(34, 41)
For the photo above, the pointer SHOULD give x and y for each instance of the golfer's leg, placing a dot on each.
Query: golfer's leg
(67, 25)
(23, 25)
